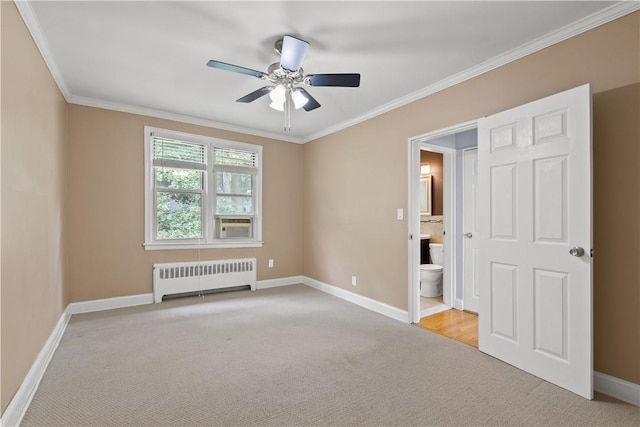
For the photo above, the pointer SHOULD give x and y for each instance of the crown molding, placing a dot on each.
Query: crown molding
(126, 108)
(604, 16)
(590, 22)
(34, 27)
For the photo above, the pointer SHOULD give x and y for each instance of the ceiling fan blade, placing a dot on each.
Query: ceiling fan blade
(311, 104)
(341, 80)
(255, 94)
(293, 53)
(236, 69)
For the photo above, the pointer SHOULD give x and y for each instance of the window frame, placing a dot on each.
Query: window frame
(209, 193)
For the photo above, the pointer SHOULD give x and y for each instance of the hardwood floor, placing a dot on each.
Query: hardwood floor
(458, 325)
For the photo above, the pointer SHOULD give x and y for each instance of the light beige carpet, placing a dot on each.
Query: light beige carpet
(287, 356)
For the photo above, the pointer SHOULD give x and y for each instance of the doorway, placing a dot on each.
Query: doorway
(450, 143)
(432, 265)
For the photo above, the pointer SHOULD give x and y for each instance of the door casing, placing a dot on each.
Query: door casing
(413, 216)
(469, 273)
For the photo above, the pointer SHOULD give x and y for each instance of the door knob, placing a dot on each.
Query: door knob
(468, 235)
(576, 251)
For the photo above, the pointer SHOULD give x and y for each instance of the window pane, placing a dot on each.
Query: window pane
(234, 183)
(170, 149)
(179, 179)
(234, 205)
(178, 215)
(231, 157)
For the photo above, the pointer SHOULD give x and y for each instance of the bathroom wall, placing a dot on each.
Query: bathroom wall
(433, 225)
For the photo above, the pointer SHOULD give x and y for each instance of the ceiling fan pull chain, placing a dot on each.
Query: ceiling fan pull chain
(287, 110)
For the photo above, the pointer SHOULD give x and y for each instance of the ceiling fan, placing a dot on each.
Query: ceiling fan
(286, 77)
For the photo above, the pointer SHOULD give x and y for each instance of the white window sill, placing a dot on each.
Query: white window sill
(216, 245)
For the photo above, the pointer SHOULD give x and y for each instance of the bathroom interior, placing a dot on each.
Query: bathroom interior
(433, 268)
(431, 233)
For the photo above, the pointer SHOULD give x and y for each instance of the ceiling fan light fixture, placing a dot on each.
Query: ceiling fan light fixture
(299, 100)
(277, 94)
(279, 106)
(278, 98)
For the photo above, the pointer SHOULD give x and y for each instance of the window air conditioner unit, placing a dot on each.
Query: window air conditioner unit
(234, 228)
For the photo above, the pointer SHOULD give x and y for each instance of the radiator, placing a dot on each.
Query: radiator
(176, 278)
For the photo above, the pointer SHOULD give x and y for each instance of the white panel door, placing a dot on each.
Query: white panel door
(534, 215)
(470, 230)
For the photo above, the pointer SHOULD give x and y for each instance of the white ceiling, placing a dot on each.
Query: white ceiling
(150, 57)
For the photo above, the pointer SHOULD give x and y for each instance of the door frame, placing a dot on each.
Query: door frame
(413, 216)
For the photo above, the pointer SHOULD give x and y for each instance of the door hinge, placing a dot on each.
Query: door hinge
(591, 252)
(410, 236)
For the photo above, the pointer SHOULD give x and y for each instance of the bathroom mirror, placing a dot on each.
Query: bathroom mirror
(425, 195)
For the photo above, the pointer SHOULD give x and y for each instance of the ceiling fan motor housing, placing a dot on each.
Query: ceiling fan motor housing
(278, 46)
(278, 75)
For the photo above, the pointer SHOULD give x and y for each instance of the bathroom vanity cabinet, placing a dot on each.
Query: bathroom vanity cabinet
(424, 251)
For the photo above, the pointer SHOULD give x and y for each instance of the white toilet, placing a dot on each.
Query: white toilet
(431, 274)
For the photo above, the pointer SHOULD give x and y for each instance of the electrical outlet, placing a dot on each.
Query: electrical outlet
(270, 263)
(353, 281)
(400, 214)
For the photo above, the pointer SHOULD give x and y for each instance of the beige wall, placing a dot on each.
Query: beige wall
(2, 404)
(346, 235)
(33, 148)
(106, 205)
(332, 219)
(616, 178)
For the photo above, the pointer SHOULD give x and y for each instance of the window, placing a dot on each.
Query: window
(200, 191)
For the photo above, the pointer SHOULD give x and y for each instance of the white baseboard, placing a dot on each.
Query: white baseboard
(371, 304)
(458, 304)
(283, 281)
(615, 387)
(18, 406)
(109, 303)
